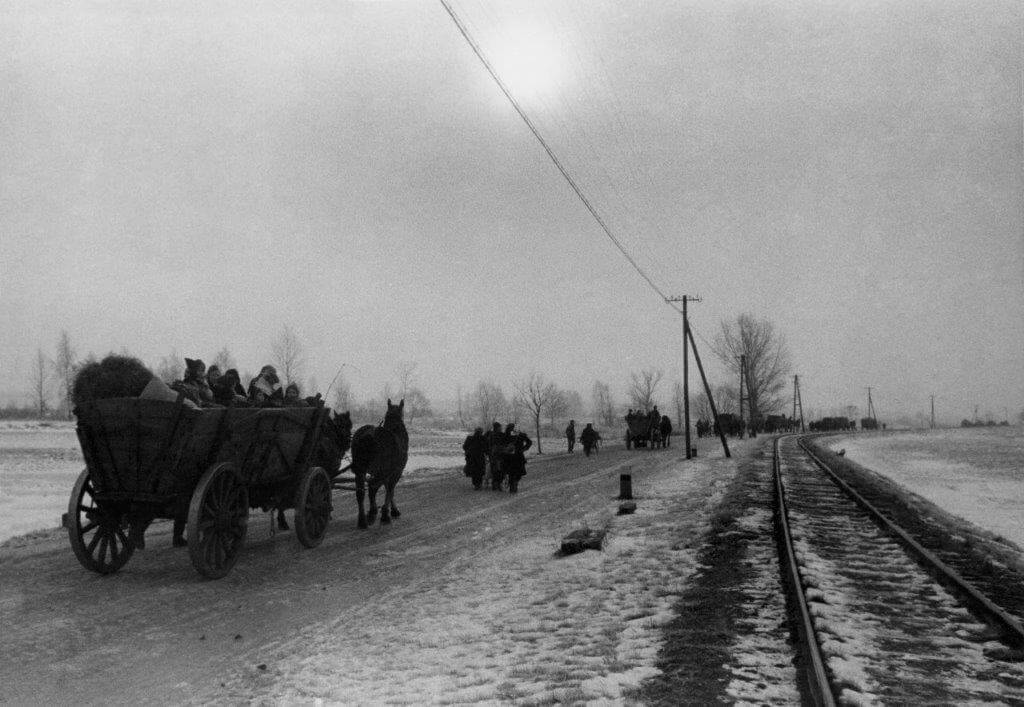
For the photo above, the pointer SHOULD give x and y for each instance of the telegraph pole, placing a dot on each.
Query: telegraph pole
(688, 337)
(745, 380)
(797, 402)
(933, 412)
(686, 368)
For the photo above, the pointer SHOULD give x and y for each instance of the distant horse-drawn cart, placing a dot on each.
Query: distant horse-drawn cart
(643, 430)
(148, 459)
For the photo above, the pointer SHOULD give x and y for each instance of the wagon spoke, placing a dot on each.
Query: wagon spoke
(115, 550)
(94, 542)
(88, 526)
(104, 544)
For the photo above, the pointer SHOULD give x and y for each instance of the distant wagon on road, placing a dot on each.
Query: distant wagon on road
(149, 459)
(642, 430)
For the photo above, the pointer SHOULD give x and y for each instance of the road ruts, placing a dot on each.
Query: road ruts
(888, 632)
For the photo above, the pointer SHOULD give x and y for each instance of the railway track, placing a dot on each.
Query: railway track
(882, 617)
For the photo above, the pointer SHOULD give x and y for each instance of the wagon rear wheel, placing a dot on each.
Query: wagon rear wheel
(217, 520)
(98, 533)
(313, 506)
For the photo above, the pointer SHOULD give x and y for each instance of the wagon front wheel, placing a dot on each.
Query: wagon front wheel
(98, 533)
(217, 519)
(313, 506)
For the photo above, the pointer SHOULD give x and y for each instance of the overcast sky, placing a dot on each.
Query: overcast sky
(188, 177)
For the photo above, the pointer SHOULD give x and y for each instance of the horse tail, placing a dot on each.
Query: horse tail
(364, 447)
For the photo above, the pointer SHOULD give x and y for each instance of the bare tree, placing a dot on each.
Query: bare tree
(604, 405)
(41, 368)
(65, 365)
(406, 374)
(725, 402)
(416, 404)
(536, 394)
(170, 368)
(767, 357)
(642, 387)
(489, 403)
(224, 360)
(342, 393)
(288, 355)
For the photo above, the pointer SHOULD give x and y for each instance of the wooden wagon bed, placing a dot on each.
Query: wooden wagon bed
(149, 459)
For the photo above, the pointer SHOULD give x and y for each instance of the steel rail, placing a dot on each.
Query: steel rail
(818, 685)
(1012, 629)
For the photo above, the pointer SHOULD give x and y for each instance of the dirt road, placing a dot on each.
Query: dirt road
(156, 632)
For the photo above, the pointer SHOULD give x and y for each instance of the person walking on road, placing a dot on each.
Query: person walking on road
(514, 459)
(589, 438)
(495, 441)
(570, 435)
(476, 450)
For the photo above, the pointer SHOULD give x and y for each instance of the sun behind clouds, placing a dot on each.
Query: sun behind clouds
(528, 61)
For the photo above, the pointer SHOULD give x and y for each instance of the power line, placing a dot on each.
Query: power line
(572, 183)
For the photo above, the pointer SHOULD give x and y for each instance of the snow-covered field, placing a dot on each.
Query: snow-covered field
(976, 473)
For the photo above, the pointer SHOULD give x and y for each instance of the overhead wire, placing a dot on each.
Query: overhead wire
(478, 51)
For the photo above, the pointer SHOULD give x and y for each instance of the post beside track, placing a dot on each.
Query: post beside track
(819, 687)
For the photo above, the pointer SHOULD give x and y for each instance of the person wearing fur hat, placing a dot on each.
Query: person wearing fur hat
(194, 384)
(265, 389)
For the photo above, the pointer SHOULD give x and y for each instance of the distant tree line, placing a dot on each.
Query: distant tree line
(534, 400)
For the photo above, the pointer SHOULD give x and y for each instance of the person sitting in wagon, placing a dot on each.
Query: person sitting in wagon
(293, 398)
(229, 390)
(193, 384)
(265, 389)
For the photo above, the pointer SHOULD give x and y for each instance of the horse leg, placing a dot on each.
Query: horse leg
(360, 494)
(395, 513)
(282, 524)
(385, 507)
(371, 516)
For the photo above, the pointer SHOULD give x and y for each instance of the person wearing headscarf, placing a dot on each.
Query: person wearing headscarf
(265, 389)
(229, 390)
(293, 398)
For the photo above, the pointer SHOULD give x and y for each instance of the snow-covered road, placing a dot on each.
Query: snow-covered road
(463, 599)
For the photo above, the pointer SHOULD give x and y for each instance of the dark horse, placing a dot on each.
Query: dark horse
(379, 455)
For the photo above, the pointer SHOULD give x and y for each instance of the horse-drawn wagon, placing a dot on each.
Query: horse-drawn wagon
(148, 459)
(643, 430)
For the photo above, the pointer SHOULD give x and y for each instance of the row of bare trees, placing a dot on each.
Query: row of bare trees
(535, 397)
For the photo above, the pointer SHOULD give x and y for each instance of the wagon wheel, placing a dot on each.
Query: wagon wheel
(98, 533)
(217, 518)
(312, 506)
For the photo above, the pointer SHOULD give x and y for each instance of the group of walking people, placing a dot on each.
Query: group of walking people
(589, 438)
(498, 453)
(501, 454)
